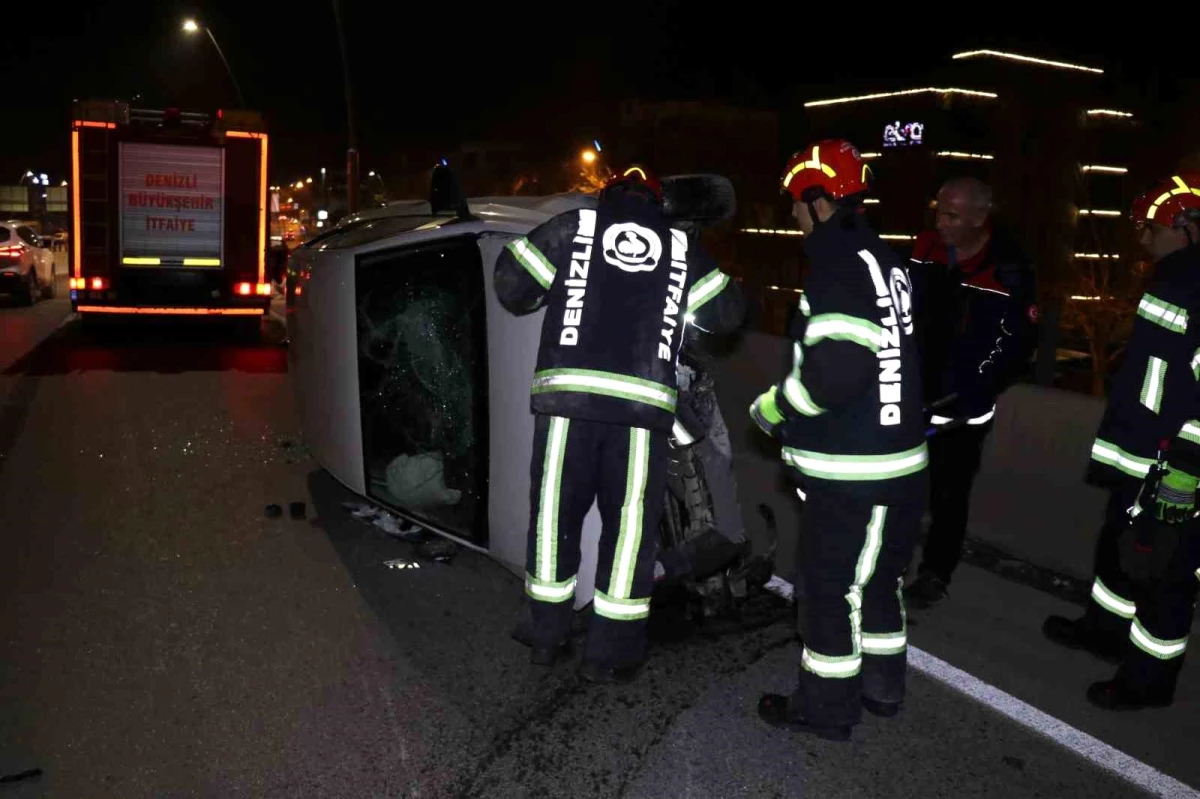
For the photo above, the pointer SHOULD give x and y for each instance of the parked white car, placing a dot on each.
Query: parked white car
(26, 266)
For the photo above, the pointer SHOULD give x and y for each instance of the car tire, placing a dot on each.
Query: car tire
(32, 290)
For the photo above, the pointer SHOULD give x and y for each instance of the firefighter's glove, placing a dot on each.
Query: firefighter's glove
(765, 412)
(1175, 499)
(1146, 547)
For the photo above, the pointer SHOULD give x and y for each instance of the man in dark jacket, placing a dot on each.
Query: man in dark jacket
(1147, 454)
(850, 419)
(977, 322)
(619, 285)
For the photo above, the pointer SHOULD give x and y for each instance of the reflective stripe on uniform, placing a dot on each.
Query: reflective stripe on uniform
(1113, 603)
(881, 289)
(545, 591)
(705, 289)
(983, 418)
(1112, 455)
(1196, 364)
(857, 467)
(884, 643)
(799, 398)
(606, 383)
(1152, 383)
(836, 667)
(806, 309)
(1190, 431)
(868, 556)
(547, 521)
(629, 540)
(794, 390)
(530, 257)
(1164, 314)
(840, 327)
(1156, 647)
(681, 434)
(620, 609)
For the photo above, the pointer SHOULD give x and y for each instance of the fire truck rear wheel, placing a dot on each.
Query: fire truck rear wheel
(248, 330)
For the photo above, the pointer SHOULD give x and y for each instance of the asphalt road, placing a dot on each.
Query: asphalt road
(163, 638)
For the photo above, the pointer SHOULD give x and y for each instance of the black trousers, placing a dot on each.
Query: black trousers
(853, 556)
(623, 469)
(954, 457)
(1154, 621)
(1112, 605)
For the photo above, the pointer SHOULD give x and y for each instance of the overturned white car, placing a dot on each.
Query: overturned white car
(413, 382)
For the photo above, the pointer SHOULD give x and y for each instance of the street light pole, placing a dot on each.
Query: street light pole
(352, 144)
(213, 39)
(191, 26)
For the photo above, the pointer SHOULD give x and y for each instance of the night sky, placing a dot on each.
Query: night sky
(425, 77)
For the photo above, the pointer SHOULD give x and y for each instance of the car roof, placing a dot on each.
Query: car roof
(502, 214)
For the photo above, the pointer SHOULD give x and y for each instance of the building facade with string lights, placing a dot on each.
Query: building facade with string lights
(1053, 138)
(1058, 141)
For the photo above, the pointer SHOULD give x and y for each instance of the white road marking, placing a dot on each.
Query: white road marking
(1089, 748)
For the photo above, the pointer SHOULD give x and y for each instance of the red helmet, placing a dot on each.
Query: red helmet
(1171, 203)
(831, 168)
(637, 177)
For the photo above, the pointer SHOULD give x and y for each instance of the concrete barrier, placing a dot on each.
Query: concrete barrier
(1029, 498)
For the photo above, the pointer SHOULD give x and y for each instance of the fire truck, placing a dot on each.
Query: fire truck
(168, 212)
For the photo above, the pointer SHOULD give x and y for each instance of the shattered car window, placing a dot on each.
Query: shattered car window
(422, 368)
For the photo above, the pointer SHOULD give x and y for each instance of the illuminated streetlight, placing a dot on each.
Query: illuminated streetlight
(190, 26)
(588, 156)
(299, 184)
(371, 174)
(308, 180)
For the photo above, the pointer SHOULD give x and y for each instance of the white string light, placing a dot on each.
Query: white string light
(902, 93)
(1027, 59)
(961, 155)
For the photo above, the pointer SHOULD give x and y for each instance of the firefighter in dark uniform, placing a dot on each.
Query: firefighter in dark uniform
(977, 327)
(619, 285)
(1147, 454)
(850, 419)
